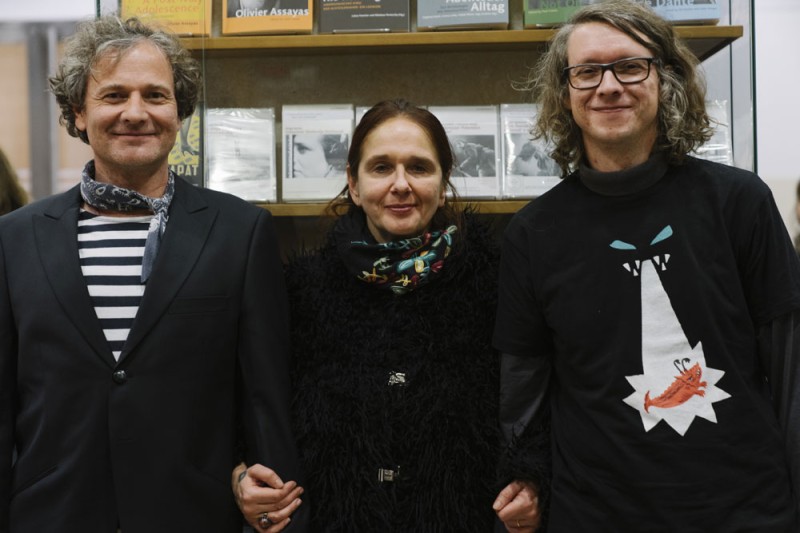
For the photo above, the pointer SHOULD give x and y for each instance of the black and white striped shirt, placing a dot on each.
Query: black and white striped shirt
(111, 250)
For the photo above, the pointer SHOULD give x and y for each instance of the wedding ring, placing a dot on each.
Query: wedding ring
(263, 521)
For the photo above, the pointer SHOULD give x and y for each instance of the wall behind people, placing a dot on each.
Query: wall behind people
(777, 116)
(15, 135)
(16, 21)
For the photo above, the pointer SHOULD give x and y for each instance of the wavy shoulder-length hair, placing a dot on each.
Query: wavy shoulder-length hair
(445, 216)
(111, 36)
(683, 124)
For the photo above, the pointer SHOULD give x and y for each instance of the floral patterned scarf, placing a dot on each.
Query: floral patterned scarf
(400, 266)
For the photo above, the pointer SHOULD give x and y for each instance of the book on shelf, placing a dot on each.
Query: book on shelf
(316, 139)
(462, 14)
(186, 157)
(547, 13)
(267, 16)
(719, 147)
(473, 134)
(363, 16)
(240, 149)
(686, 11)
(528, 169)
(184, 17)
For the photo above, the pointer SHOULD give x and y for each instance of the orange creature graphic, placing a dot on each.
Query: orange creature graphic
(687, 384)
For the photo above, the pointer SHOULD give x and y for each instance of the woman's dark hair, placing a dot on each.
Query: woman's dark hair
(446, 215)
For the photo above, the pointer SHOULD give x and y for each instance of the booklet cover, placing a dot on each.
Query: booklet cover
(361, 110)
(240, 144)
(528, 170)
(462, 14)
(719, 147)
(473, 133)
(267, 16)
(546, 13)
(186, 157)
(363, 16)
(184, 17)
(316, 139)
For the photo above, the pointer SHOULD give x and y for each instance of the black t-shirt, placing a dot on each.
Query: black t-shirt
(645, 288)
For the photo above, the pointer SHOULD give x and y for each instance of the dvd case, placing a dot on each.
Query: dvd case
(547, 13)
(528, 169)
(316, 139)
(267, 16)
(473, 133)
(186, 157)
(240, 146)
(462, 14)
(184, 17)
(719, 147)
(363, 16)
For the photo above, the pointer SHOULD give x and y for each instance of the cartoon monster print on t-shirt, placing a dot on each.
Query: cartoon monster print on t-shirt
(675, 385)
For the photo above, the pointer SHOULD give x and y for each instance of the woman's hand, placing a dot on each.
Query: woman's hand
(517, 506)
(264, 499)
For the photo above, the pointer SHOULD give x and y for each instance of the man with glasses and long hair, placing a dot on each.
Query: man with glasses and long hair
(648, 304)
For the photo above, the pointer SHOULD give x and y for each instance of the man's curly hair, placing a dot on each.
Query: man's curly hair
(96, 39)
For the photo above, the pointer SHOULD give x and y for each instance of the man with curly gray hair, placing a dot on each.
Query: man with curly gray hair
(648, 303)
(143, 321)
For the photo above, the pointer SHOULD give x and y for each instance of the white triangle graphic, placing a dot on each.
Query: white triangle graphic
(675, 384)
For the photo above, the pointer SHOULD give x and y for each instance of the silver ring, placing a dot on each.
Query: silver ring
(263, 521)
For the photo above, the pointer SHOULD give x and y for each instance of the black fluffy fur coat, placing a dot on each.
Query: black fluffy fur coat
(438, 430)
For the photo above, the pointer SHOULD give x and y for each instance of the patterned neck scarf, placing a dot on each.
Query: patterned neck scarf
(400, 266)
(112, 198)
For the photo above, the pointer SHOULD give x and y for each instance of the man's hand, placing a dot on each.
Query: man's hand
(264, 499)
(517, 506)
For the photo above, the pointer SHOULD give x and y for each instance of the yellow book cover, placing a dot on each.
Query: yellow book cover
(186, 157)
(184, 17)
(267, 16)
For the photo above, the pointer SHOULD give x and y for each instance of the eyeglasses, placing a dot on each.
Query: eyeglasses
(627, 71)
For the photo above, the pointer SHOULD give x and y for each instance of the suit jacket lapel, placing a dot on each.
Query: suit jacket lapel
(190, 221)
(57, 241)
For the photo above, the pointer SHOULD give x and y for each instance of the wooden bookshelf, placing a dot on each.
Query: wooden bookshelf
(339, 60)
(703, 40)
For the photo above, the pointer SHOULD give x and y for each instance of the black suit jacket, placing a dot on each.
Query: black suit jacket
(150, 440)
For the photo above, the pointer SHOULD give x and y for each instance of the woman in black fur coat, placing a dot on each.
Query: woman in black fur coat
(396, 383)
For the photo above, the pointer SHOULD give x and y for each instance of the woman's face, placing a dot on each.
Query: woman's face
(308, 159)
(400, 183)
